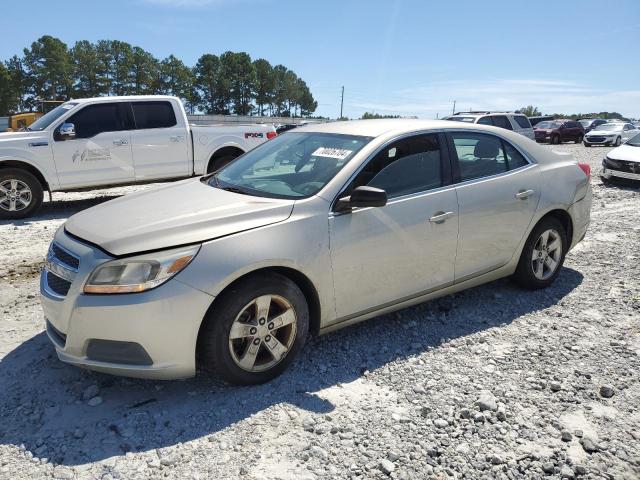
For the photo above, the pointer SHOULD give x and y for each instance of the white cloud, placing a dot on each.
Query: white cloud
(549, 96)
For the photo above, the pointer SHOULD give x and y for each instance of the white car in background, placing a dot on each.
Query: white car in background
(614, 133)
(623, 162)
(516, 122)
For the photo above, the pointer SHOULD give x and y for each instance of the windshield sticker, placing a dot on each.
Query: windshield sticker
(339, 153)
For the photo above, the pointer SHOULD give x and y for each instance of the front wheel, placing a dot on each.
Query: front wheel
(21, 194)
(555, 140)
(542, 256)
(586, 144)
(254, 330)
(579, 139)
(618, 141)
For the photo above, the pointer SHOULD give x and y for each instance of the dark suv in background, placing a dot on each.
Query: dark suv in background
(558, 131)
(590, 123)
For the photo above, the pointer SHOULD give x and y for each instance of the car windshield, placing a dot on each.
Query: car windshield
(457, 118)
(610, 126)
(635, 141)
(295, 165)
(46, 120)
(585, 123)
(548, 125)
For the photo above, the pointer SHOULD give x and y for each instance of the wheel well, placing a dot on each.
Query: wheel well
(300, 279)
(29, 168)
(565, 219)
(223, 152)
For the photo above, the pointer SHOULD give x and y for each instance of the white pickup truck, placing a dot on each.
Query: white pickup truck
(97, 142)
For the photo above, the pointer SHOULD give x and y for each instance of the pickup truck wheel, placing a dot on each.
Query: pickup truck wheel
(20, 194)
(217, 163)
(254, 330)
(542, 256)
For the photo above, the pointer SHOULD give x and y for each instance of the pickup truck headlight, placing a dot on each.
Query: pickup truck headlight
(141, 273)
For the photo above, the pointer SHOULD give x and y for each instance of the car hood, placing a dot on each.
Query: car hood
(625, 152)
(602, 132)
(12, 139)
(177, 214)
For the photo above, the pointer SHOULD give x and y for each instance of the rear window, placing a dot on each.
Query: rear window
(457, 118)
(153, 115)
(522, 121)
(502, 122)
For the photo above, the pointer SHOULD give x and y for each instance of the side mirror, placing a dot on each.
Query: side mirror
(67, 131)
(362, 197)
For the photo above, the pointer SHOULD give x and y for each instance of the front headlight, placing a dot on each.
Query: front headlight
(137, 274)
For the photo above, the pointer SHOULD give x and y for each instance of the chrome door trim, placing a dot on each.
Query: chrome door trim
(497, 175)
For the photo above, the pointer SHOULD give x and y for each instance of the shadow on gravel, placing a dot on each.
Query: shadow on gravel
(61, 209)
(41, 404)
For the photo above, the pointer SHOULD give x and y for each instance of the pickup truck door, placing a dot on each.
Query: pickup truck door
(100, 153)
(159, 142)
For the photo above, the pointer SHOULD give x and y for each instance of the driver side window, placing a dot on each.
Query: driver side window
(409, 165)
(95, 119)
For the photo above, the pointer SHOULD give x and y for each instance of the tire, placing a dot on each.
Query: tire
(579, 139)
(24, 199)
(525, 274)
(216, 164)
(586, 144)
(555, 140)
(618, 142)
(237, 309)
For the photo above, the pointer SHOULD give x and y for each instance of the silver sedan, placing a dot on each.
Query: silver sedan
(317, 229)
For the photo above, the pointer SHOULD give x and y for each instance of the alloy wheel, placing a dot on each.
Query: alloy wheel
(547, 253)
(15, 195)
(263, 333)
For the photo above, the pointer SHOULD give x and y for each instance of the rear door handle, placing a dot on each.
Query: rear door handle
(119, 143)
(524, 194)
(440, 217)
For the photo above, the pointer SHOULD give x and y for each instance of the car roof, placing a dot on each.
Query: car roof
(126, 97)
(376, 128)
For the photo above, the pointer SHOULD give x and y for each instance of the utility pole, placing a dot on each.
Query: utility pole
(453, 111)
(341, 101)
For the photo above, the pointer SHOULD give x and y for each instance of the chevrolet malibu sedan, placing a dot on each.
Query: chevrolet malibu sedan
(622, 162)
(614, 133)
(315, 230)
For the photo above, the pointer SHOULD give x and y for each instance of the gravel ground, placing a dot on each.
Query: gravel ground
(494, 382)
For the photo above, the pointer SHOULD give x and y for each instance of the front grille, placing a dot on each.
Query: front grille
(65, 257)
(595, 139)
(622, 165)
(57, 285)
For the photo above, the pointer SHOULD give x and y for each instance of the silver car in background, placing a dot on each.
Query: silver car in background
(317, 229)
(611, 133)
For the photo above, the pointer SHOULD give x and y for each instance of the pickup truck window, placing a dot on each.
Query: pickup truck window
(295, 165)
(153, 115)
(95, 119)
(46, 120)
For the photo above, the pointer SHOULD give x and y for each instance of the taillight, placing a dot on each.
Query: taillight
(585, 168)
(271, 135)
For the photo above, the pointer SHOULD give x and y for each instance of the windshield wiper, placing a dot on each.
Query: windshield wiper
(235, 190)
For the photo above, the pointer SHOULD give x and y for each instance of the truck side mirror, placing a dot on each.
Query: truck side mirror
(67, 131)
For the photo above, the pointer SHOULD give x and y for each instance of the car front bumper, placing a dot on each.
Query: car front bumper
(151, 334)
(608, 173)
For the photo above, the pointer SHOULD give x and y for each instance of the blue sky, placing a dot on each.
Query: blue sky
(410, 57)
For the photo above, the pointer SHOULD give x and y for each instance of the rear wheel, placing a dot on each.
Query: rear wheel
(20, 193)
(255, 330)
(216, 164)
(542, 256)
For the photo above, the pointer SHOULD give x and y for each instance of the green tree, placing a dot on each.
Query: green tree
(87, 80)
(49, 70)
(211, 85)
(177, 79)
(280, 93)
(371, 116)
(7, 103)
(307, 103)
(264, 84)
(239, 76)
(18, 84)
(530, 111)
(144, 75)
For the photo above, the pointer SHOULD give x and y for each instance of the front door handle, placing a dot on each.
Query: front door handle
(120, 142)
(440, 217)
(524, 194)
